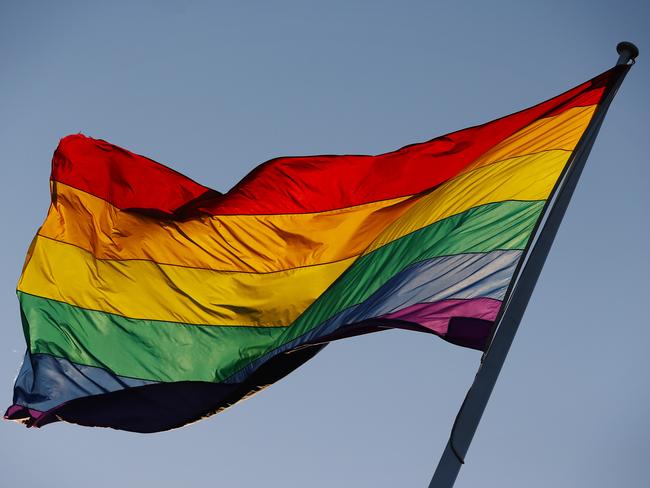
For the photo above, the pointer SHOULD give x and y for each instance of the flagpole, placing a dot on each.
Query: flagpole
(478, 395)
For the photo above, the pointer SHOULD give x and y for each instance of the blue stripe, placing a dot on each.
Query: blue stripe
(45, 382)
(460, 276)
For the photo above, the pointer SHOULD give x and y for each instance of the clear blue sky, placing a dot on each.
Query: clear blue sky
(213, 89)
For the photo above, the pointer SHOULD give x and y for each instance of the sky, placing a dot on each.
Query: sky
(214, 88)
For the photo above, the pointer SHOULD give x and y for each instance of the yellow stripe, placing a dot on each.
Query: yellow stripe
(562, 131)
(249, 243)
(146, 290)
(521, 178)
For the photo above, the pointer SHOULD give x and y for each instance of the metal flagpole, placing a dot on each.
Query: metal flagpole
(478, 395)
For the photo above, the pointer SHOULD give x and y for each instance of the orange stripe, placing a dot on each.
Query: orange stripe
(248, 243)
(269, 243)
(562, 131)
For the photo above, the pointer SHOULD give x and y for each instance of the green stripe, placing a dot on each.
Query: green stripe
(145, 349)
(163, 351)
(503, 225)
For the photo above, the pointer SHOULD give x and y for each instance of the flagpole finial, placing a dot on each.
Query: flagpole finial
(626, 52)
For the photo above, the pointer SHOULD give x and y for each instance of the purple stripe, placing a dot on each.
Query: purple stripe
(25, 415)
(435, 316)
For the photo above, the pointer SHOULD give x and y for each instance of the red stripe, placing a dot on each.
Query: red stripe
(295, 184)
(125, 179)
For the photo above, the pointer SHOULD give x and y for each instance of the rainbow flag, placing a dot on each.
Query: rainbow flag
(149, 301)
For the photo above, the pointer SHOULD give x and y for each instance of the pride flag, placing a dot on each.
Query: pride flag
(149, 301)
